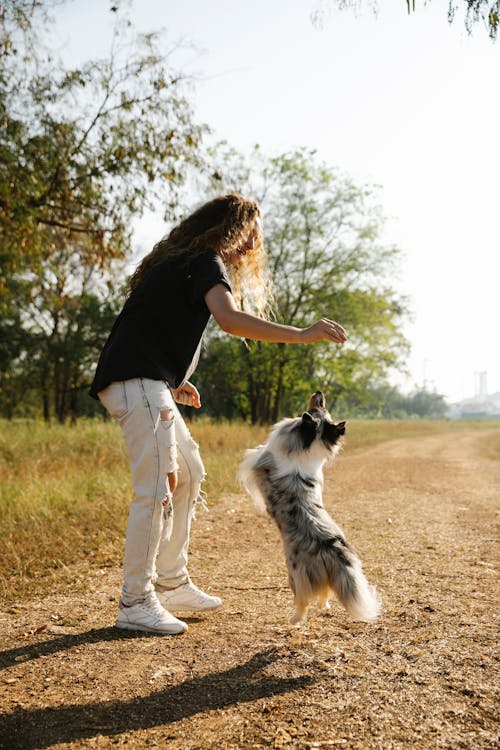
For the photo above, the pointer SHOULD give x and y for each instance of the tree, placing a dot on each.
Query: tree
(65, 322)
(86, 150)
(20, 22)
(387, 402)
(475, 12)
(83, 152)
(322, 235)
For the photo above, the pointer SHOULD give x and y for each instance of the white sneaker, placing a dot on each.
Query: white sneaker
(150, 617)
(187, 598)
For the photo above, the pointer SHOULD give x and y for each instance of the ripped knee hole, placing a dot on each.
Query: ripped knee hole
(166, 414)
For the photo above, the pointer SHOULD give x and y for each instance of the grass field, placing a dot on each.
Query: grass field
(65, 490)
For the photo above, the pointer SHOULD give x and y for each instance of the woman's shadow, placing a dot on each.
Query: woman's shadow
(28, 729)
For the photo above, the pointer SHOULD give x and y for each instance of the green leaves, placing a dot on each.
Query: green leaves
(322, 233)
(483, 12)
(74, 140)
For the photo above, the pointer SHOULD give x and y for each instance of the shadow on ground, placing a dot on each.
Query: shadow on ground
(31, 729)
(63, 643)
(67, 641)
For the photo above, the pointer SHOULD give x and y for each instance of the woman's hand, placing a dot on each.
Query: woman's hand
(187, 395)
(173, 479)
(324, 330)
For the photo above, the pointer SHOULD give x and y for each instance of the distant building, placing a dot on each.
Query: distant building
(481, 406)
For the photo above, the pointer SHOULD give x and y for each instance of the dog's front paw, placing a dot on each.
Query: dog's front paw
(297, 619)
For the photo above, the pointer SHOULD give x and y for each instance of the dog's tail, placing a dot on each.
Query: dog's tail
(249, 478)
(347, 579)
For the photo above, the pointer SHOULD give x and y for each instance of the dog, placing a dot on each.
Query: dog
(285, 477)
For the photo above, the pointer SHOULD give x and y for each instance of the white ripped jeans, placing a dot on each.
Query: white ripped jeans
(158, 442)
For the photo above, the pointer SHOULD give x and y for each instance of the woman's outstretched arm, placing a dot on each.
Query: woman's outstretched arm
(222, 306)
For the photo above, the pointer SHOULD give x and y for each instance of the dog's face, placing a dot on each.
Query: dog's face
(314, 435)
(317, 424)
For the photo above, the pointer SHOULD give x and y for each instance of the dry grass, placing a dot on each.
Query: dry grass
(63, 498)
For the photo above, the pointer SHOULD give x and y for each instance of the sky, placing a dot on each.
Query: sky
(406, 102)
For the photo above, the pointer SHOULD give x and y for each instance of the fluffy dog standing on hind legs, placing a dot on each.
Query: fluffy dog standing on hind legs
(285, 476)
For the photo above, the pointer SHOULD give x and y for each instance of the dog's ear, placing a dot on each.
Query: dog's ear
(307, 429)
(332, 432)
(341, 427)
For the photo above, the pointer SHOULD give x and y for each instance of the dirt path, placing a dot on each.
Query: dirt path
(421, 514)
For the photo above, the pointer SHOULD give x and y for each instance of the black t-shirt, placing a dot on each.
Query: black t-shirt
(158, 333)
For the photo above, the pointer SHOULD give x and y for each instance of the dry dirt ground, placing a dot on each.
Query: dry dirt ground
(421, 514)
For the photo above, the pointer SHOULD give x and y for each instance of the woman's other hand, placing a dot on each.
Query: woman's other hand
(187, 394)
(173, 479)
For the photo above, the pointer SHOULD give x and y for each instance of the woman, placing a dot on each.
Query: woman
(199, 269)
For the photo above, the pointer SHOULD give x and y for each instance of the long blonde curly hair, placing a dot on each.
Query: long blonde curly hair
(223, 225)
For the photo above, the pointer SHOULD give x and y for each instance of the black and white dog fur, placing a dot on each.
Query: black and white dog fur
(285, 477)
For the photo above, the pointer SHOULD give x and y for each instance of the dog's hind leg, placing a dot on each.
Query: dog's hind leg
(324, 597)
(300, 612)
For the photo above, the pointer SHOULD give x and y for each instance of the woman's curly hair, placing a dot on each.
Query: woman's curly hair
(223, 225)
